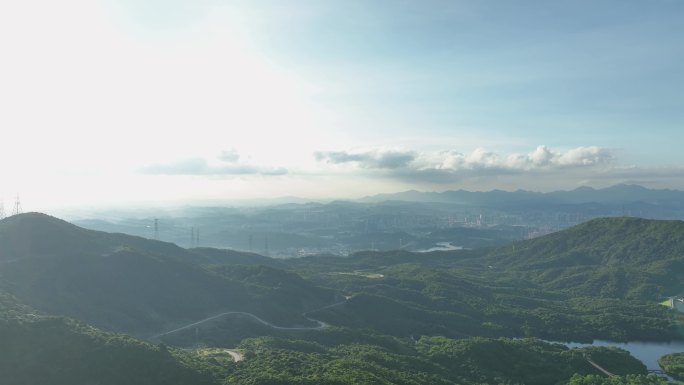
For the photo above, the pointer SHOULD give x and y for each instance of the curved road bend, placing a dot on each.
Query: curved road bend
(262, 321)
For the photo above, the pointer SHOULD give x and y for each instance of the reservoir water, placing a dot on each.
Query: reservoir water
(646, 352)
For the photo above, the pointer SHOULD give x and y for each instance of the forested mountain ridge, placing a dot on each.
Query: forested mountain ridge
(614, 257)
(603, 241)
(125, 283)
(36, 235)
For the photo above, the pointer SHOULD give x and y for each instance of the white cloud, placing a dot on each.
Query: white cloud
(382, 159)
(542, 156)
(227, 164)
(585, 156)
(230, 156)
(447, 164)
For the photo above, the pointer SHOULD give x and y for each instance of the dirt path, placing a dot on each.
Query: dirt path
(237, 356)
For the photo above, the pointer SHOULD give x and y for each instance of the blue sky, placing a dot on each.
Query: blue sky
(212, 100)
(558, 73)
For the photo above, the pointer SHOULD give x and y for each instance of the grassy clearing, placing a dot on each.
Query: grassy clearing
(667, 302)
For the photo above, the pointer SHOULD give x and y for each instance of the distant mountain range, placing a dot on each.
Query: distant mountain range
(617, 194)
(410, 220)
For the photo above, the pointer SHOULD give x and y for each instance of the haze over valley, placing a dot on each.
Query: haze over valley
(410, 221)
(259, 192)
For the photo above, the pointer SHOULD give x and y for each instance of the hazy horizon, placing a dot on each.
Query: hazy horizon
(116, 102)
(81, 211)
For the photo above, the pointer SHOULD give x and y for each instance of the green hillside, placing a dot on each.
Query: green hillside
(673, 364)
(130, 284)
(431, 360)
(39, 349)
(609, 257)
(415, 299)
(36, 235)
(207, 255)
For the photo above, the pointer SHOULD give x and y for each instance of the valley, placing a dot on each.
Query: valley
(371, 312)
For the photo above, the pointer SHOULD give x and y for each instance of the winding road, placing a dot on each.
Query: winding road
(262, 321)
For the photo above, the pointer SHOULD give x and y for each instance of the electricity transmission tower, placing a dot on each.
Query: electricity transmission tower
(17, 206)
